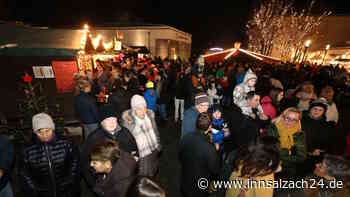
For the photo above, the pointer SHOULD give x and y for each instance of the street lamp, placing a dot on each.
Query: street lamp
(307, 45)
(325, 52)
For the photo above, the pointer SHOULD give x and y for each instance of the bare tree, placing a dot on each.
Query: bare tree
(262, 28)
(276, 24)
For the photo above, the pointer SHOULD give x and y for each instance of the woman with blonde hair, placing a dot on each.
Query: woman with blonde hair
(287, 129)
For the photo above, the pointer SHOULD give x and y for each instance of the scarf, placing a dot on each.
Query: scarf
(145, 136)
(286, 134)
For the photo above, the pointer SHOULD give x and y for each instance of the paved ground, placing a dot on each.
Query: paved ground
(170, 166)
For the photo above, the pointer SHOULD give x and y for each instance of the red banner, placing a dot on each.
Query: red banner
(64, 71)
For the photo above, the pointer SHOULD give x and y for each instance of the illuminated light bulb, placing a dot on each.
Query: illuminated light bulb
(108, 45)
(307, 43)
(96, 41)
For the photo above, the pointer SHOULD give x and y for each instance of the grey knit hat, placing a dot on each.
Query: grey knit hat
(42, 121)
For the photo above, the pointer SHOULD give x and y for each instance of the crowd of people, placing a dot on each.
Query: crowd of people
(238, 121)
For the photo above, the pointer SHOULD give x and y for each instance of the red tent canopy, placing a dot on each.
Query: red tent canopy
(239, 54)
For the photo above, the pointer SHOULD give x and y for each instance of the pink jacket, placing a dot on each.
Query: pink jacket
(268, 108)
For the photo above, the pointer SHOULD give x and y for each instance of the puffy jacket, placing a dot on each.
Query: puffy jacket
(50, 169)
(151, 99)
(6, 160)
(268, 108)
(86, 108)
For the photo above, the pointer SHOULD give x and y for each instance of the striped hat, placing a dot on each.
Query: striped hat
(201, 98)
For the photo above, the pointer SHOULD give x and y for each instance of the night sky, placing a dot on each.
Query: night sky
(213, 23)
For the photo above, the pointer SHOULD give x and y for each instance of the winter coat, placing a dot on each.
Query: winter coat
(50, 169)
(247, 133)
(151, 99)
(118, 181)
(318, 133)
(241, 90)
(291, 159)
(6, 160)
(244, 130)
(181, 88)
(164, 92)
(198, 159)
(120, 101)
(148, 165)
(86, 108)
(124, 138)
(189, 121)
(240, 78)
(268, 107)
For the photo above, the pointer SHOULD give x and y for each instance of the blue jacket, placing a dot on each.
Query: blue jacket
(189, 121)
(151, 100)
(240, 78)
(86, 108)
(6, 159)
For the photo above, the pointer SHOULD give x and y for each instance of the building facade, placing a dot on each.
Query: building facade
(161, 40)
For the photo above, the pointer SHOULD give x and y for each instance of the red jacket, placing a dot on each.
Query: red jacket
(268, 108)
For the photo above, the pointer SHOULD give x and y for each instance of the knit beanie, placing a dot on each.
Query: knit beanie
(42, 121)
(107, 112)
(137, 101)
(201, 98)
(320, 102)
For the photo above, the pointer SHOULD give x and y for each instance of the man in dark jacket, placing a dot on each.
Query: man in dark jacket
(318, 133)
(180, 97)
(6, 159)
(191, 114)
(49, 166)
(86, 108)
(120, 98)
(110, 129)
(199, 159)
(244, 130)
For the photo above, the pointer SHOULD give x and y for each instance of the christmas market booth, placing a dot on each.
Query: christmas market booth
(46, 66)
(54, 70)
